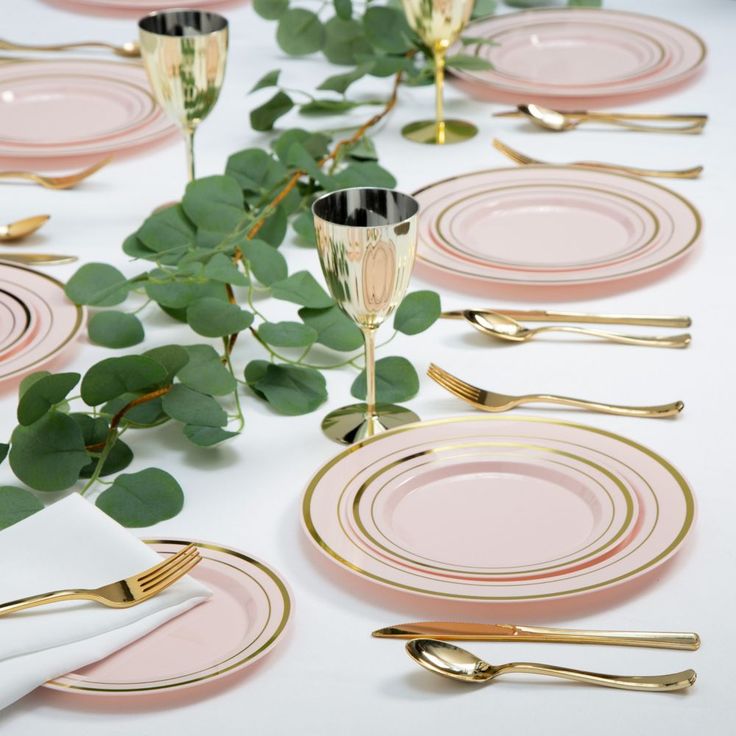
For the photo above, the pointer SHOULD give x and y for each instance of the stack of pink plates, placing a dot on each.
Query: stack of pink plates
(497, 509)
(37, 321)
(580, 56)
(551, 226)
(137, 6)
(97, 108)
(244, 618)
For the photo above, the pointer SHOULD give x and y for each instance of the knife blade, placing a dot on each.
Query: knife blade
(548, 315)
(459, 631)
(36, 259)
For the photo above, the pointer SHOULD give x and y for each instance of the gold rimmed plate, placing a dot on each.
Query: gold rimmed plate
(478, 519)
(242, 621)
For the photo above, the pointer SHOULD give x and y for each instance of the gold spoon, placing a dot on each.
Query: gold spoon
(557, 121)
(22, 228)
(128, 50)
(57, 182)
(456, 663)
(507, 328)
(524, 160)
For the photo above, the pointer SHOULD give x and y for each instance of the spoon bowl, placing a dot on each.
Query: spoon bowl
(456, 663)
(549, 119)
(22, 228)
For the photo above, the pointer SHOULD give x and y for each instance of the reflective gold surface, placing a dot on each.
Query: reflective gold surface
(438, 24)
(22, 228)
(490, 401)
(459, 664)
(56, 182)
(460, 631)
(366, 239)
(128, 50)
(184, 52)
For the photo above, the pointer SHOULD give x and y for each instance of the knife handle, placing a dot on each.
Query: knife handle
(657, 639)
(549, 315)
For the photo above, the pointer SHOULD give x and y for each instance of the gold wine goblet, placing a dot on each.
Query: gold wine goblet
(367, 243)
(184, 52)
(438, 23)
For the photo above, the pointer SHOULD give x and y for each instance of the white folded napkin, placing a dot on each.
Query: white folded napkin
(72, 544)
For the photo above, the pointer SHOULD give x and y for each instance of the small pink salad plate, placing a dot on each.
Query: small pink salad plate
(551, 226)
(76, 108)
(141, 7)
(498, 510)
(37, 321)
(573, 57)
(242, 621)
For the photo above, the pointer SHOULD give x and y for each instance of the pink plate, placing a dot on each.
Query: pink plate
(15, 321)
(500, 521)
(247, 613)
(139, 6)
(52, 321)
(580, 56)
(551, 226)
(97, 107)
(382, 504)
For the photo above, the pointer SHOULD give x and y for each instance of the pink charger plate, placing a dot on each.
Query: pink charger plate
(54, 322)
(580, 57)
(138, 7)
(15, 320)
(490, 507)
(97, 108)
(551, 226)
(242, 621)
(380, 505)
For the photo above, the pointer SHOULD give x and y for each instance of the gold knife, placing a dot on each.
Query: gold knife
(548, 315)
(36, 259)
(457, 631)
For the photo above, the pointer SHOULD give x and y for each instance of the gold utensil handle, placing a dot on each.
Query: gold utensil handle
(37, 259)
(673, 341)
(692, 173)
(462, 631)
(8, 46)
(34, 601)
(656, 411)
(692, 126)
(694, 117)
(549, 315)
(651, 683)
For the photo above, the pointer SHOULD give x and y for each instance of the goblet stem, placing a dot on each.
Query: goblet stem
(439, 83)
(369, 337)
(189, 142)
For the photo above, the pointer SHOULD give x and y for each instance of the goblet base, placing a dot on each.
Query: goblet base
(425, 131)
(351, 424)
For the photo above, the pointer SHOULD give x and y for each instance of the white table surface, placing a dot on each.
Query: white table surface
(328, 676)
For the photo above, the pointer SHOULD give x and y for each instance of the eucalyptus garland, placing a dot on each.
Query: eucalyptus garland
(213, 265)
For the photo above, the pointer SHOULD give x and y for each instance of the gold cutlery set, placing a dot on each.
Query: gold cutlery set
(429, 647)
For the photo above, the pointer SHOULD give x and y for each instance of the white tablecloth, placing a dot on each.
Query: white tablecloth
(328, 676)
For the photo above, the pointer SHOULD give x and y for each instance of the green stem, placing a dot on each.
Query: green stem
(112, 435)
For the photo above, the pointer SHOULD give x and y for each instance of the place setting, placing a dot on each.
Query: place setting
(489, 498)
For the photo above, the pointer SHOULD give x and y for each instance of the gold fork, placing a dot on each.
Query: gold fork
(521, 158)
(489, 401)
(128, 50)
(57, 182)
(123, 593)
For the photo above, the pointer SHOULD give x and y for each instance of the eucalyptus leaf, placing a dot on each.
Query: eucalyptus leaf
(254, 372)
(417, 312)
(266, 263)
(221, 268)
(214, 203)
(115, 376)
(97, 284)
(344, 8)
(274, 228)
(255, 170)
(344, 40)
(340, 82)
(205, 372)
(584, 3)
(215, 318)
(16, 504)
(301, 288)
(143, 498)
(167, 230)
(363, 150)
(119, 457)
(264, 116)
(206, 436)
(299, 158)
(364, 174)
(48, 454)
(464, 61)
(387, 29)
(146, 414)
(172, 357)
(43, 394)
(292, 389)
(300, 32)
(287, 334)
(334, 328)
(482, 8)
(113, 329)
(303, 226)
(28, 381)
(327, 106)
(270, 79)
(270, 9)
(4, 447)
(192, 407)
(396, 380)
(180, 294)
(316, 144)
